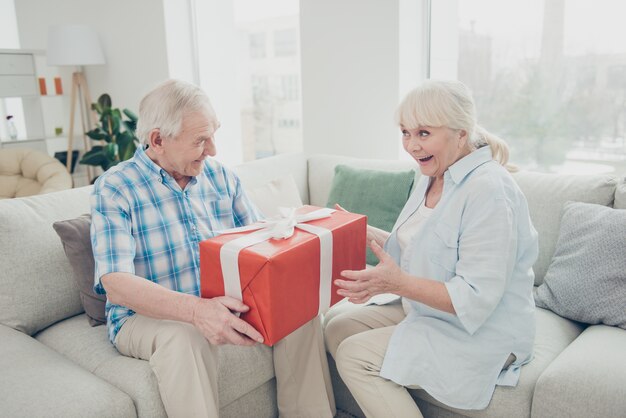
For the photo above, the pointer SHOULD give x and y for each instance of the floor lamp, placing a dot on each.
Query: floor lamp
(77, 46)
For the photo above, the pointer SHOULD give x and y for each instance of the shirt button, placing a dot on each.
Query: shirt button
(193, 226)
(159, 179)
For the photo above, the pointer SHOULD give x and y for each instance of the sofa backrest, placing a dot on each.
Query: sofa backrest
(37, 286)
(257, 173)
(547, 193)
(322, 171)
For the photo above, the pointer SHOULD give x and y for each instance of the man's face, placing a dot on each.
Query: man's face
(184, 154)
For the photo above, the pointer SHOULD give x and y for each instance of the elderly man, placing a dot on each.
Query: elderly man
(148, 215)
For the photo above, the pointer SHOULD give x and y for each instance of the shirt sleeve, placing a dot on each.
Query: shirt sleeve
(111, 235)
(487, 250)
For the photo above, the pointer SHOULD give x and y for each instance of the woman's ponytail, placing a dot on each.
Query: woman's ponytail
(499, 148)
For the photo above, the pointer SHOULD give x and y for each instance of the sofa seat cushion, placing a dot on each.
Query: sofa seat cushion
(242, 369)
(553, 335)
(588, 379)
(39, 382)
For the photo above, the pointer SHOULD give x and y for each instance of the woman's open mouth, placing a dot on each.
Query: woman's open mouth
(425, 159)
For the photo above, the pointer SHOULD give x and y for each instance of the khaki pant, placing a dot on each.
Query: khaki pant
(357, 340)
(185, 365)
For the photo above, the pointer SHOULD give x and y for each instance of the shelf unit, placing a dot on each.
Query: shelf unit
(19, 91)
(38, 114)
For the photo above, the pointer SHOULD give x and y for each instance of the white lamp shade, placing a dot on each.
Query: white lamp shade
(74, 45)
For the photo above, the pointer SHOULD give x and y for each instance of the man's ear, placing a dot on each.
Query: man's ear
(155, 140)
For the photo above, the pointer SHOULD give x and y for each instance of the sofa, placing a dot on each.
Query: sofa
(54, 363)
(26, 172)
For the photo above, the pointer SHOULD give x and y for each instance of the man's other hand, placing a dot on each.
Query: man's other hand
(216, 320)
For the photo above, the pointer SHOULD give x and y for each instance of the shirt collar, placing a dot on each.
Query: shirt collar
(467, 164)
(146, 162)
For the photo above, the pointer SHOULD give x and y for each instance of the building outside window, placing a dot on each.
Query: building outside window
(257, 45)
(269, 77)
(285, 42)
(548, 76)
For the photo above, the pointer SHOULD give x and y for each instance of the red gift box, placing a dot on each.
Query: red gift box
(280, 278)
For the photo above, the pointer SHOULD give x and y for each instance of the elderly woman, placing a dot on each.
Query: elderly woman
(460, 257)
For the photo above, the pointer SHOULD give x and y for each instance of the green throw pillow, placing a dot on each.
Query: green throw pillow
(380, 195)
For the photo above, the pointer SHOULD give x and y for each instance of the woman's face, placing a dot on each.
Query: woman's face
(435, 148)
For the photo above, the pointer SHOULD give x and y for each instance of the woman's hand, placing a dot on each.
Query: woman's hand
(386, 277)
(373, 233)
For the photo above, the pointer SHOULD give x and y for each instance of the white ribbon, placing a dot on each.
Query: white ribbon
(282, 228)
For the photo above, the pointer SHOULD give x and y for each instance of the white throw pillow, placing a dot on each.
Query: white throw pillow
(280, 192)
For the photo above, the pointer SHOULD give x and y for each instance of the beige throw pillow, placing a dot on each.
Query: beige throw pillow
(280, 192)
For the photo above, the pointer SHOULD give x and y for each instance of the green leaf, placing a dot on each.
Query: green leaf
(94, 156)
(127, 145)
(128, 152)
(123, 139)
(96, 107)
(117, 121)
(130, 125)
(110, 151)
(131, 115)
(104, 101)
(97, 134)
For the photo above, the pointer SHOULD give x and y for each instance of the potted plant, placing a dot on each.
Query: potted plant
(118, 134)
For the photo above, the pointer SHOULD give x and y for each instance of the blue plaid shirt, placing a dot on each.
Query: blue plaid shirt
(144, 223)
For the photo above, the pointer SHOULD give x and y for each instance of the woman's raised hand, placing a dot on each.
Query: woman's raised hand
(386, 277)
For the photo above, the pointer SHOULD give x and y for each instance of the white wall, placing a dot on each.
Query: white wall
(8, 26)
(132, 34)
(350, 76)
(179, 37)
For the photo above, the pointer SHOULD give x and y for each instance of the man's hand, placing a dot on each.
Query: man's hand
(386, 277)
(219, 325)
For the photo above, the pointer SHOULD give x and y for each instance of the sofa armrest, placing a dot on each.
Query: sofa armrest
(588, 379)
(37, 381)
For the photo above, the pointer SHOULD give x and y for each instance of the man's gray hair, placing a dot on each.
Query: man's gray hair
(164, 107)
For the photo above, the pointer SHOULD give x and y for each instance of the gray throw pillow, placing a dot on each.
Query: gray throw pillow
(74, 234)
(380, 195)
(586, 280)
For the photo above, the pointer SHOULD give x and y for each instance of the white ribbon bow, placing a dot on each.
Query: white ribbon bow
(280, 228)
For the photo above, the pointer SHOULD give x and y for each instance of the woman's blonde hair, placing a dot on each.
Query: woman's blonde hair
(449, 103)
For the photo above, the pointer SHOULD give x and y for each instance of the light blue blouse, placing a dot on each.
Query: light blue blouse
(479, 241)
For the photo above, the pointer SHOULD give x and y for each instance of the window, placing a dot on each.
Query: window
(285, 43)
(290, 87)
(257, 45)
(548, 76)
(269, 77)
